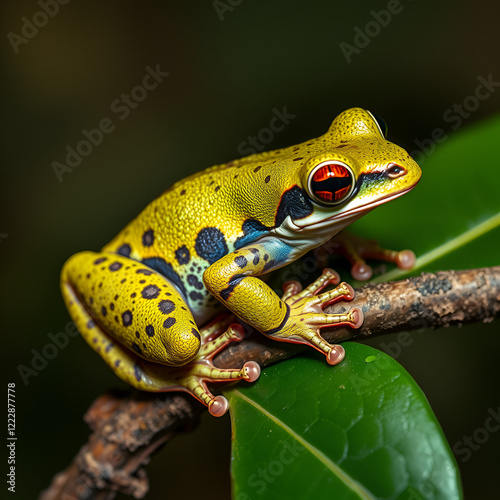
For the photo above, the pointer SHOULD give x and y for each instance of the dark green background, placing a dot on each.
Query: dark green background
(225, 79)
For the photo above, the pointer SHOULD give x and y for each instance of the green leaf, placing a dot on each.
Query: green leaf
(451, 220)
(362, 429)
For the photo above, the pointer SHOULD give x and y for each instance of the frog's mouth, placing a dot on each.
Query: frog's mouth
(344, 218)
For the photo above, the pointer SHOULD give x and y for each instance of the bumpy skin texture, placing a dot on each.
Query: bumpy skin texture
(146, 313)
(203, 244)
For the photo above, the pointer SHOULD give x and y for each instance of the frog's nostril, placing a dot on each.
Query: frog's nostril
(395, 171)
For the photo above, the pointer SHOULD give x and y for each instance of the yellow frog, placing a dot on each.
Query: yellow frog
(204, 244)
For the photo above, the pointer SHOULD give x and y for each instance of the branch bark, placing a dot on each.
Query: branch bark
(128, 428)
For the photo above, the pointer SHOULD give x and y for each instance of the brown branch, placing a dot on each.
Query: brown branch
(127, 429)
(427, 301)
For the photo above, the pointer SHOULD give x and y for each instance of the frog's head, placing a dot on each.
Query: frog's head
(357, 170)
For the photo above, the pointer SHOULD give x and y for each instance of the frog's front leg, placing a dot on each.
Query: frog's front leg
(356, 249)
(140, 325)
(298, 317)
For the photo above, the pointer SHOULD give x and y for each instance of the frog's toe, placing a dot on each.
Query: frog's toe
(353, 318)
(336, 355)
(357, 249)
(252, 371)
(290, 288)
(405, 259)
(328, 277)
(342, 292)
(357, 317)
(361, 271)
(204, 371)
(195, 376)
(218, 406)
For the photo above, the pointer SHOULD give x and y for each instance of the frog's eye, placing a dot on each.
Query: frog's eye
(382, 126)
(331, 183)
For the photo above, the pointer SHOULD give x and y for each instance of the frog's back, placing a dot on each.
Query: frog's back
(190, 226)
(223, 206)
(173, 225)
(203, 217)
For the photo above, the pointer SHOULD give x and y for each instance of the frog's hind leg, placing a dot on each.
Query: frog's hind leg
(117, 302)
(140, 325)
(122, 361)
(133, 304)
(356, 249)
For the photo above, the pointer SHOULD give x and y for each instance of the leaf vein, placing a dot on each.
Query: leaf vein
(445, 248)
(318, 454)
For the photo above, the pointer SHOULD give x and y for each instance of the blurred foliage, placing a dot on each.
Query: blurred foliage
(225, 79)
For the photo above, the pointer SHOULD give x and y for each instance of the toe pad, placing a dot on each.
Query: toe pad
(253, 371)
(406, 259)
(218, 406)
(336, 355)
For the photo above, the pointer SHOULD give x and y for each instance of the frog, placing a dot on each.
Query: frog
(177, 284)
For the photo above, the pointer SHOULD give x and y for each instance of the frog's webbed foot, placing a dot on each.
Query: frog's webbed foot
(194, 376)
(306, 317)
(356, 249)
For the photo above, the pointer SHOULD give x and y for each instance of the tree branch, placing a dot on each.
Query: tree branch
(127, 428)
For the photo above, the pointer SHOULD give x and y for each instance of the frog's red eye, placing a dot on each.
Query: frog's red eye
(331, 183)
